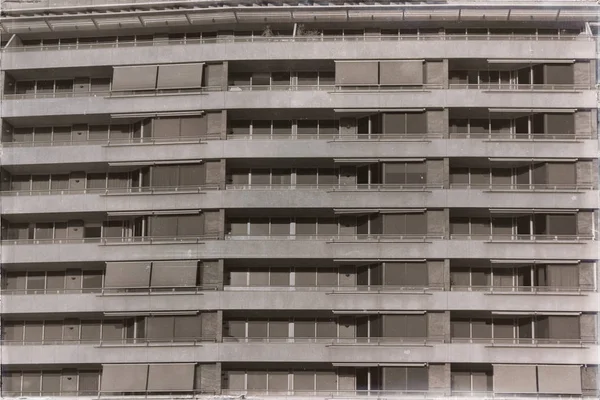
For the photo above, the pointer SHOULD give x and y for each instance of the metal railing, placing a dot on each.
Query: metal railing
(512, 136)
(416, 341)
(523, 289)
(136, 342)
(519, 237)
(521, 87)
(537, 187)
(373, 137)
(341, 289)
(302, 39)
(116, 141)
(108, 291)
(108, 93)
(525, 342)
(114, 191)
(291, 237)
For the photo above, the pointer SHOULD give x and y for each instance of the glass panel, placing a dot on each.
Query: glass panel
(304, 329)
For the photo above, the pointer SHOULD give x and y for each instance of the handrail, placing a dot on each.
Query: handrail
(520, 87)
(512, 136)
(116, 142)
(108, 291)
(329, 137)
(138, 342)
(316, 237)
(301, 39)
(543, 187)
(522, 289)
(328, 88)
(113, 191)
(525, 238)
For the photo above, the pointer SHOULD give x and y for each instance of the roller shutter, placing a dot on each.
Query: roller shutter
(398, 73)
(124, 378)
(179, 76)
(357, 73)
(127, 274)
(141, 77)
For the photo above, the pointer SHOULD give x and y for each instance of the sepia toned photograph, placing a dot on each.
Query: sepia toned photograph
(299, 199)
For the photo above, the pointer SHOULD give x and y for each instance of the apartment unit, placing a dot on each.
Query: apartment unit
(312, 199)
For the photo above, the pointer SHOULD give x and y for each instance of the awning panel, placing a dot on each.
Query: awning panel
(559, 379)
(171, 377)
(515, 379)
(356, 73)
(141, 77)
(127, 274)
(124, 378)
(401, 72)
(178, 76)
(174, 273)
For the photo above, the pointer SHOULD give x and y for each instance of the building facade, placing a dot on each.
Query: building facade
(302, 198)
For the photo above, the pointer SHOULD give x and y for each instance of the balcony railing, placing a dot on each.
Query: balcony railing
(114, 191)
(137, 342)
(521, 87)
(520, 237)
(108, 93)
(106, 291)
(339, 289)
(537, 187)
(512, 136)
(301, 39)
(537, 342)
(316, 237)
(373, 137)
(523, 289)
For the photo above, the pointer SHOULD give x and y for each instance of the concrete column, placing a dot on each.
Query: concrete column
(210, 378)
(583, 122)
(212, 273)
(589, 380)
(436, 73)
(224, 126)
(214, 124)
(215, 173)
(436, 174)
(585, 222)
(214, 222)
(582, 74)
(225, 76)
(440, 379)
(437, 122)
(438, 325)
(585, 172)
(586, 275)
(447, 173)
(436, 273)
(587, 326)
(211, 328)
(436, 222)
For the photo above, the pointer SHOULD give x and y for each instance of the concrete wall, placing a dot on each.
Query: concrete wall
(587, 172)
(440, 378)
(215, 173)
(436, 273)
(585, 222)
(436, 72)
(584, 123)
(210, 378)
(589, 380)
(214, 221)
(588, 327)
(587, 272)
(260, 299)
(211, 328)
(437, 121)
(436, 174)
(348, 50)
(212, 273)
(214, 123)
(436, 222)
(584, 73)
(438, 325)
